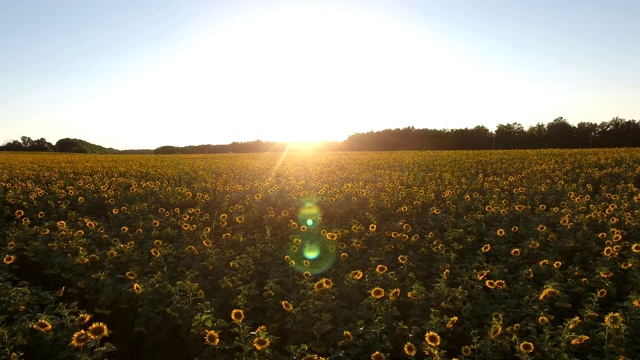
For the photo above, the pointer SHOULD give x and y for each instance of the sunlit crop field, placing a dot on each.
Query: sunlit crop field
(492, 255)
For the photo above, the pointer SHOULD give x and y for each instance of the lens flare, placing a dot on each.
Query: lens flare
(310, 251)
(315, 255)
(309, 213)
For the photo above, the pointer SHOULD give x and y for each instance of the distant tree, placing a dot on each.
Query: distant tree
(42, 145)
(167, 150)
(537, 136)
(14, 145)
(71, 146)
(586, 135)
(26, 142)
(560, 134)
(510, 136)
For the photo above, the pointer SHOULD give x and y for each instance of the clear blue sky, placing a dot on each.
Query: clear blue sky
(142, 74)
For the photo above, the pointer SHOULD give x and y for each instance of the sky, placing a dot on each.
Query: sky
(140, 74)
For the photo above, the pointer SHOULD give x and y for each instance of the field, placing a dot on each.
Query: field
(484, 255)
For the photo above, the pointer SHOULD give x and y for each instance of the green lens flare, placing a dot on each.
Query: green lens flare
(311, 251)
(309, 213)
(315, 254)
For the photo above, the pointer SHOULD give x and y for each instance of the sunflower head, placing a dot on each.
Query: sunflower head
(613, 320)
(237, 315)
(410, 349)
(98, 330)
(377, 293)
(211, 337)
(526, 347)
(261, 343)
(432, 338)
(42, 325)
(82, 319)
(80, 338)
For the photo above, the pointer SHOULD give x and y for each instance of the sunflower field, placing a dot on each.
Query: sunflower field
(529, 254)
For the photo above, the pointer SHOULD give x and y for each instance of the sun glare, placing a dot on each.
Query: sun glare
(296, 73)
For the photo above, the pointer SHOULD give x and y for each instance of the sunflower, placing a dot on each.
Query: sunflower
(130, 275)
(432, 338)
(98, 330)
(500, 232)
(211, 337)
(547, 293)
(381, 269)
(82, 319)
(602, 293)
(286, 305)
(410, 349)
(515, 252)
(490, 284)
(237, 315)
(543, 263)
(496, 330)
(347, 335)
(394, 294)
(80, 338)
(606, 274)
(377, 293)
(356, 274)
(155, 252)
(137, 288)
(636, 303)
(635, 248)
(613, 320)
(452, 321)
(526, 347)
(261, 343)
(9, 259)
(482, 274)
(573, 323)
(372, 227)
(557, 264)
(377, 356)
(486, 248)
(42, 325)
(466, 351)
(581, 339)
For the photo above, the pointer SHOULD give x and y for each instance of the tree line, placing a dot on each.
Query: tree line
(63, 145)
(559, 133)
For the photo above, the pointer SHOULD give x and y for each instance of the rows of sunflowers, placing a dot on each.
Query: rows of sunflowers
(468, 255)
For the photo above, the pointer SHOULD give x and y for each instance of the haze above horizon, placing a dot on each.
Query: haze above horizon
(148, 73)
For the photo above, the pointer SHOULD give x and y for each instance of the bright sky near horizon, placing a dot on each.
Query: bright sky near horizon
(146, 73)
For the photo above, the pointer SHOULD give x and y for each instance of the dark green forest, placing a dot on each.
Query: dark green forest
(558, 133)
